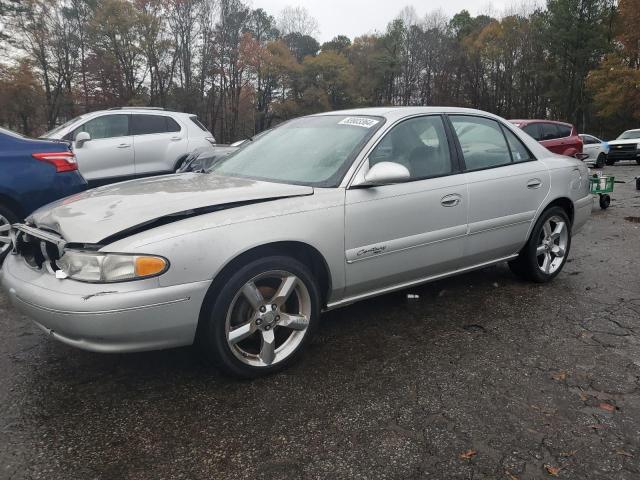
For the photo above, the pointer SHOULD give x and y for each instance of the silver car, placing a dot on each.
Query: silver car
(123, 143)
(321, 212)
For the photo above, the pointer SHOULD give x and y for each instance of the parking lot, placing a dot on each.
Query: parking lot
(481, 376)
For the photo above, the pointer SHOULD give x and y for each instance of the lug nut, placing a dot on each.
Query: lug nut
(274, 307)
(277, 318)
(263, 309)
(259, 321)
(268, 327)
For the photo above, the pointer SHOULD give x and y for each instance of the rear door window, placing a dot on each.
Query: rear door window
(549, 131)
(519, 152)
(172, 125)
(148, 124)
(564, 131)
(482, 141)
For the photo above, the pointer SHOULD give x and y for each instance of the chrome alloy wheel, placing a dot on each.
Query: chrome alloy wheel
(552, 245)
(5, 238)
(268, 318)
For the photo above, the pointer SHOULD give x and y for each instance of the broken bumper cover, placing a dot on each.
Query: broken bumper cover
(114, 318)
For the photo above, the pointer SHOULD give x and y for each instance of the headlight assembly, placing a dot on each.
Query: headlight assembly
(96, 267)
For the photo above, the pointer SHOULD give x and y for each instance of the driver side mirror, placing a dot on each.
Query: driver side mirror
(384, 173)
(81, 138)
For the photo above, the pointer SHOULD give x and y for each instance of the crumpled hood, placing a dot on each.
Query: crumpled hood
(94, 215)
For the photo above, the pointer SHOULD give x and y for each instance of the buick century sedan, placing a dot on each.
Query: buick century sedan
(321, 212)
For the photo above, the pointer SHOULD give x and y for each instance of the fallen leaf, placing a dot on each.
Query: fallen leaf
(553, 471)
(568, 454)
(607, 407)
(510, 475)
(468, 455)
(624, 454)
(559, 376)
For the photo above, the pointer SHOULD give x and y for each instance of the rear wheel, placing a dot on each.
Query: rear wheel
(261, 319)
(609, 161)
(601, 160)
(638, 161)
(545, 254)
(7, 218)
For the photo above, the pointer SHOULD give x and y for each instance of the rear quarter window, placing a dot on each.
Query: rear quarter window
(564, 131)
(198, 123)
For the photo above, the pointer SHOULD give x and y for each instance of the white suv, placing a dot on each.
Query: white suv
(121, 143)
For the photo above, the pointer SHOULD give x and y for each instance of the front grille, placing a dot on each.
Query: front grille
(623, 148)
(37, 247)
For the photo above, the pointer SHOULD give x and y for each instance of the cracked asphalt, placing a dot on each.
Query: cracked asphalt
(482, 376)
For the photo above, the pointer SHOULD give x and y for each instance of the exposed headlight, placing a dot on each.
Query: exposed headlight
(109, 267)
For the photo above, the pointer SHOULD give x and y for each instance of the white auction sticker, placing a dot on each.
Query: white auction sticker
(359, 122)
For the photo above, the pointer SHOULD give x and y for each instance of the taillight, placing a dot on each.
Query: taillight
(63, 161)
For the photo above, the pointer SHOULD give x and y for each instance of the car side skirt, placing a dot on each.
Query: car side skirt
(401, 286)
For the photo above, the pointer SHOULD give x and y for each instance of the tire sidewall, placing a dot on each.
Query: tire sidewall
(531, 259)
(212, 340)
(601, 160)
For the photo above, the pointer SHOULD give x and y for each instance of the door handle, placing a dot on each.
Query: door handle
(124, 145)
(176, 139)
(450, 200)
(534, 183)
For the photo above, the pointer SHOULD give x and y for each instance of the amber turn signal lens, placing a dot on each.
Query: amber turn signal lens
(148, 266)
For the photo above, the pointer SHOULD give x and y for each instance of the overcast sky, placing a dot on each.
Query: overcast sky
(357, 17)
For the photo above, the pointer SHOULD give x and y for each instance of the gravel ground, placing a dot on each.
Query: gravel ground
(483, 376)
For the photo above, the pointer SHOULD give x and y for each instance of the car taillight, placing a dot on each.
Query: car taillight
(63, 161)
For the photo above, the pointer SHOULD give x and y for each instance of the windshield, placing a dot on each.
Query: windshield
(313, 151)
(50, 133)
(629, 134)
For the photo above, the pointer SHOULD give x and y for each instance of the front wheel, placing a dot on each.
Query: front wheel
(261, 319)
(546, 252)
(601, 160)
(609, 161)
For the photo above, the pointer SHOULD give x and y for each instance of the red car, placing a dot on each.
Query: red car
(559, 137)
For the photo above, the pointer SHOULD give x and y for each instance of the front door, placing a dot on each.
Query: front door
(109, 153)
(400, 233)
(506, 187)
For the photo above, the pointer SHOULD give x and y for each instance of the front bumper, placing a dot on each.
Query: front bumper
(114, 318)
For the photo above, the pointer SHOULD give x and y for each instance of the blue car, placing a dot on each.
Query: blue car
(33, 173)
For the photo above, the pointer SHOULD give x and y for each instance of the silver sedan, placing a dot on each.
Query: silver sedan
(320, 212)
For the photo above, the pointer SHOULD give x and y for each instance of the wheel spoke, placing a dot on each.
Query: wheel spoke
(5, 240)
(546, 265)
(295, 322)
(268, 348)
(240, 333)
(555, 235)
(547, 229)
(541, 250)
(558, 251)
(287, 287)
(5, 228)
(253, 295)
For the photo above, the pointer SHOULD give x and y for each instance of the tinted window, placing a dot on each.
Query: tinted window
(589, 140)
(198, 123)
(533, 130)
(148, 124)
(107, 126)
(564, 131)
(549, 131)
(482, 141)
(519, 152)
(172, 125)
(420, 144)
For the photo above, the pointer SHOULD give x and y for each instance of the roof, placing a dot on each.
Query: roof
(536, 120)
(394, 113)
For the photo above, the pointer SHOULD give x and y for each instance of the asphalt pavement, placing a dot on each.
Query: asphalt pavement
(482, 376)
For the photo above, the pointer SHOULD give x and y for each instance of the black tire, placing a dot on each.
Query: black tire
(605, 201)
(609, 162)
(211, 339)
(12, 218)
(601, 160)
(526, 264)
(638, 161)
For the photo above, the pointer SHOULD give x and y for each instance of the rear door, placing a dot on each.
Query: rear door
(506, 186)
(591, 146)
(401, 233)
(109, 153)
(159, 143)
